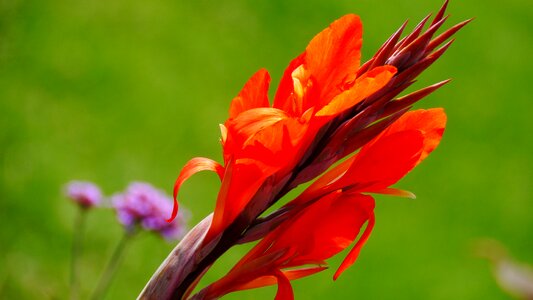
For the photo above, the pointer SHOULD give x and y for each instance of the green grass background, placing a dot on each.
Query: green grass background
(115, 91)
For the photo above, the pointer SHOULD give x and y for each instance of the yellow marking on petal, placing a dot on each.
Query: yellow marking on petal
(299, 76)
(396, 192)
(223, 133)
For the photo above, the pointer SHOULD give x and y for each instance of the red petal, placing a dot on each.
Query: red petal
(268, 135)
(328, 67)
(333, 56)
(431, 123)
(354, 253)
(337, 228)
(284, 287)
(386, 158)
(240, 277)
(364, 86)
(253, 95)
(398, 149)
(192, 167)
(241, 181)
(247, 124)
(379, 164)
(322, 229)
(384, 161)
(298, 232)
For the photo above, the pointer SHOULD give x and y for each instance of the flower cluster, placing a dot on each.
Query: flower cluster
(328, 106)
(85, 194)
(142, 204)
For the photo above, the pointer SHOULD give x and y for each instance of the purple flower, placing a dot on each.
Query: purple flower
(142, 204)
(85, 194)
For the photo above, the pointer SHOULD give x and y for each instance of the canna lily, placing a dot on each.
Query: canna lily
(328, 216)
(260, 141)
(327, 107)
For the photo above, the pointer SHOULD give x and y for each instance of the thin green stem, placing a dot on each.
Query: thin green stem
(77, 247)
(112, 266)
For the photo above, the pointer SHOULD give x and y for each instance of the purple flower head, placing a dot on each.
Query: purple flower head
(142, 204)
(85, 194)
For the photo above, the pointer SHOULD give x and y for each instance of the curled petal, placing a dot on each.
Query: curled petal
(192, 167)
(284, 287)
(354, 253)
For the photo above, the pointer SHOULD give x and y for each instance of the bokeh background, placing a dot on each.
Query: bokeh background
(122, 90)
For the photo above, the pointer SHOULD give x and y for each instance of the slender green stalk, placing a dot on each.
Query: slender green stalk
(112, 266)
(77, 247)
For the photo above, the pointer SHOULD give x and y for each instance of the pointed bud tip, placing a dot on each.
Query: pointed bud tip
(444, 82)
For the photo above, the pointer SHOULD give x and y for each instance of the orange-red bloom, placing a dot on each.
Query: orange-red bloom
(327, 107)
(328, 216)
(260, 141)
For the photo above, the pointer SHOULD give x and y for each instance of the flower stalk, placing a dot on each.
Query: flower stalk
(76, 251)
(86, 196)
(112, 265)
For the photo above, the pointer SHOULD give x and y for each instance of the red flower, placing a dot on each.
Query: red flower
(328, 216)
(260, 141)
(327, 107)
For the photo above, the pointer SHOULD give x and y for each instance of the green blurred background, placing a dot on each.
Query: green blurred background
(115, 91)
